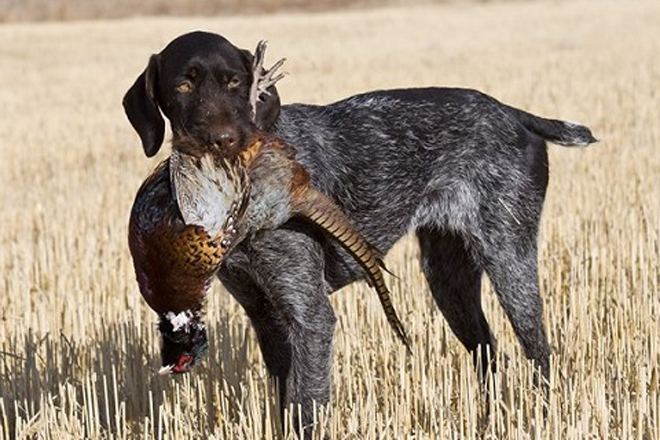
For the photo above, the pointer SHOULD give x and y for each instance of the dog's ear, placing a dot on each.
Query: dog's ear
(141, 107)
(268, 107)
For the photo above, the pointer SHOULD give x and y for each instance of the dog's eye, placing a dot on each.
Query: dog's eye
(233, 83)
(184, 87)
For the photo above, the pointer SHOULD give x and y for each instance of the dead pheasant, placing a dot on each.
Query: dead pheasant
(199, 204)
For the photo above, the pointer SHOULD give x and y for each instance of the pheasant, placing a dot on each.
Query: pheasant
(191, 212)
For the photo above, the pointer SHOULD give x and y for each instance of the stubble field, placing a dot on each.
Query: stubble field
(79, 347)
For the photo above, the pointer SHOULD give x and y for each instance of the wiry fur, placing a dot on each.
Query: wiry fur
(465, 172)
(456, 167)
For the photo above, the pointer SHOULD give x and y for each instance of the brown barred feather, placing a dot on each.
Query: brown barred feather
(324, 212)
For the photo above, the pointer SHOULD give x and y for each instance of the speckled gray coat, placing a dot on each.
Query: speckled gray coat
(464, 172)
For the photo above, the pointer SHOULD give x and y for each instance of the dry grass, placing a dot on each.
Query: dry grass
(78, 347)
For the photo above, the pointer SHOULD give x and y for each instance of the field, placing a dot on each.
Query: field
(79, 347)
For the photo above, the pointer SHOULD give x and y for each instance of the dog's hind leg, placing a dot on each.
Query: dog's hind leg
(511, 264)
(455, 281)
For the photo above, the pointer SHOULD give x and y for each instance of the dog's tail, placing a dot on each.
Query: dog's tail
(568, 134)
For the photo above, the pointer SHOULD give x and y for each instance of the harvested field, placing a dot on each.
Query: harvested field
(79, 347)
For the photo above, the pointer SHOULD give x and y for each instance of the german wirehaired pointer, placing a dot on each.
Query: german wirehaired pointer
(466, 173)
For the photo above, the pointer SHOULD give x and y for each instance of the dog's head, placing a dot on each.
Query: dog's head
(201, 83)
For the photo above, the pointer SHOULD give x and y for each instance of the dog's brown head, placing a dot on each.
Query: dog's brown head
(201, 83)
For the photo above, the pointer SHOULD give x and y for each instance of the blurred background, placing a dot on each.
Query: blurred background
(43, 10)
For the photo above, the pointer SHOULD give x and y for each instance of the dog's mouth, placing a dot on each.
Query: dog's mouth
(229, 146)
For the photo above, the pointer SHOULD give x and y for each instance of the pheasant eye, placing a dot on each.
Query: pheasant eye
(233, 83)
(184, 87)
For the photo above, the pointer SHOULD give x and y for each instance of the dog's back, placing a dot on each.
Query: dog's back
(385, 156)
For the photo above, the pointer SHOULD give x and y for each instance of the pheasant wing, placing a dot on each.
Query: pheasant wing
(210, 192)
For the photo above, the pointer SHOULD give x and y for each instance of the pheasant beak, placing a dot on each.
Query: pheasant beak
(183, 365)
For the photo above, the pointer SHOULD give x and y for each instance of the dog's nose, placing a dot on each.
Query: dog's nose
(225, 139)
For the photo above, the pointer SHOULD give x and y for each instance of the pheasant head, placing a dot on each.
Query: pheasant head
(176, 252)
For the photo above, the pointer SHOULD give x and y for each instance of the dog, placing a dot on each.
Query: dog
(467, 173)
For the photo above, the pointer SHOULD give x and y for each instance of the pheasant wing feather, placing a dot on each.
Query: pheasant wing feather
(209, 192)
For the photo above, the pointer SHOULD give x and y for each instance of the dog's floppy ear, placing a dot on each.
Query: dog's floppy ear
(142, 110)
(268, 107)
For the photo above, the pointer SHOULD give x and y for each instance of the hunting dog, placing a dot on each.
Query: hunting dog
(466, 173)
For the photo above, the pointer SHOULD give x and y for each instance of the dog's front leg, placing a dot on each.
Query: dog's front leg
(284, 292)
